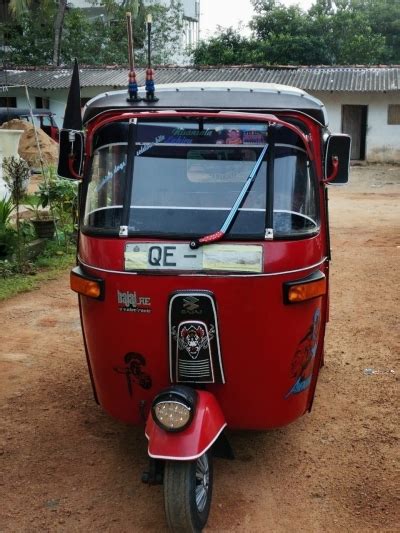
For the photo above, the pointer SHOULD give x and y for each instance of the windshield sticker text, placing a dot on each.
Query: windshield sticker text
(147, 146)
(181, 132)
(110, 175)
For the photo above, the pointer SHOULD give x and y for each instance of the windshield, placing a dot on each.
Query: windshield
(188, 175)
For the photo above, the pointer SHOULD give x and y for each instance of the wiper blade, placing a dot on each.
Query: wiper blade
(217, 236)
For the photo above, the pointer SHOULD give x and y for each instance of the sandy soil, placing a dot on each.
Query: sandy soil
(28, 149)
(65, 466)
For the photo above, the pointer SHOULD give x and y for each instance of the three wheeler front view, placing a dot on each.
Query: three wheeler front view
(202, 266)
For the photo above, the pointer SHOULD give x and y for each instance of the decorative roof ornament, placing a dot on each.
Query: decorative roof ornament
(132, 83)
(150, 86)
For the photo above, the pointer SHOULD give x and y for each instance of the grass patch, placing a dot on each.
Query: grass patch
(49, 265)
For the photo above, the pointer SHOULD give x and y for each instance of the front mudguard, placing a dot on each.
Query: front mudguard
(206, 426)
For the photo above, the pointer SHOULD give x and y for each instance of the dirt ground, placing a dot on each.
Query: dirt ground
(66, 466)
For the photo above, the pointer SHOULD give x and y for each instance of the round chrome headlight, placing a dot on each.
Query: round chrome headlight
(173, 408)
(172, 415)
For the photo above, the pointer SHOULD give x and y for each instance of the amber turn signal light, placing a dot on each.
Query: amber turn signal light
(86, 285)
(305, 289)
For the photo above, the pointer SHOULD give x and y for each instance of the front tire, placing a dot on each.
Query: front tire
(187, 493)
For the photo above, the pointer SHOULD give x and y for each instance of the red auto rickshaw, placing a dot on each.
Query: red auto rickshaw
(203, 265)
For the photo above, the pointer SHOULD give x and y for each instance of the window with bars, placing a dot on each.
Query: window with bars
(42, 102)
(8, 101)
(394, 114)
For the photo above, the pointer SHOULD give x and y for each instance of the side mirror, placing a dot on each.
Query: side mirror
(337, 159)
(70, 159)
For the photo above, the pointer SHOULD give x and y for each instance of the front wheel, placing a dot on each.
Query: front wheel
(187, 493)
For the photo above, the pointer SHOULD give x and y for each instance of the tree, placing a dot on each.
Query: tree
(20, 8)
(288, 36)
(29, 39)
(330, 32)
(103, 41)
(229, 47)
(37, 37)
(384, 18)
(58, 28)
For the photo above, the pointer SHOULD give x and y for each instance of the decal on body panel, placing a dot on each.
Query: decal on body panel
(302, 366)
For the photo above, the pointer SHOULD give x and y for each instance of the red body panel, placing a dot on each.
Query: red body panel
(55, 133)
(259, 333)
(189, 444)
(265, 343)
(279, 256)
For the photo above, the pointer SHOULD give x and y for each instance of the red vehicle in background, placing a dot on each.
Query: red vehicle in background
(41, 118)
(203, 266)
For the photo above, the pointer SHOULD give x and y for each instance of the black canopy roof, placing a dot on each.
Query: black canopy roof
(221, 96)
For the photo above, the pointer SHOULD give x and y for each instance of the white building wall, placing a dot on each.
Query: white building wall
(190, 9)
(383, 139)
(57, 100)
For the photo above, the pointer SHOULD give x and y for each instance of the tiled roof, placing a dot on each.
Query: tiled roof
(343, 79)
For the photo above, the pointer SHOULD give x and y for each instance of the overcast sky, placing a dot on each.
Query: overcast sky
(226, 13)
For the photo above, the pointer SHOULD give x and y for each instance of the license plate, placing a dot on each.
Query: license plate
(179, 256)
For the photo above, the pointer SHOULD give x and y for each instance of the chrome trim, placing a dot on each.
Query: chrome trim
(208, 275)
(182, 208)
(188, 458)
(108, 146)
(197, 208)
(297, 213)
(212, 145)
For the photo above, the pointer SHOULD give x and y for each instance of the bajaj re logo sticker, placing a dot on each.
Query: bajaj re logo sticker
(302, 364)
(130, 302)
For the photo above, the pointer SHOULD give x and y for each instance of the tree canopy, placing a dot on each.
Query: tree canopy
(29, 33)
(340, 32)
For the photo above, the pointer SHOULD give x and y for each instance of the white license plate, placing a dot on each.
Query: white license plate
(179, 256)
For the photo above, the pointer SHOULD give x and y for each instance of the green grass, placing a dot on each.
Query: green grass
(47, 266)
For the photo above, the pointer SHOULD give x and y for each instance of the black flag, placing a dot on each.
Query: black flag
(73, 116)
(70, 158)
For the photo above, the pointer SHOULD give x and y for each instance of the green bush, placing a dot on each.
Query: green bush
(61, 197)
(7, 232)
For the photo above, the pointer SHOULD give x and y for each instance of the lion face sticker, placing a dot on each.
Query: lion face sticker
(194, 348)
(193, 339)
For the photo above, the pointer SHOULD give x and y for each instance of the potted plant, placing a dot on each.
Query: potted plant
(61, 195)
(42, 221)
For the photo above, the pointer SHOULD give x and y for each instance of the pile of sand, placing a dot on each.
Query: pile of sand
(28, 148)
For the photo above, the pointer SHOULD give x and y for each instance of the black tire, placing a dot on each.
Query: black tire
(187, 493)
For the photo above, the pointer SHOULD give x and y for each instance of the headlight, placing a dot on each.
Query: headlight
(172, 415)
(173, 408)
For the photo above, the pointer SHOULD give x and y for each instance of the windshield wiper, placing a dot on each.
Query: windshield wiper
(217, 236)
